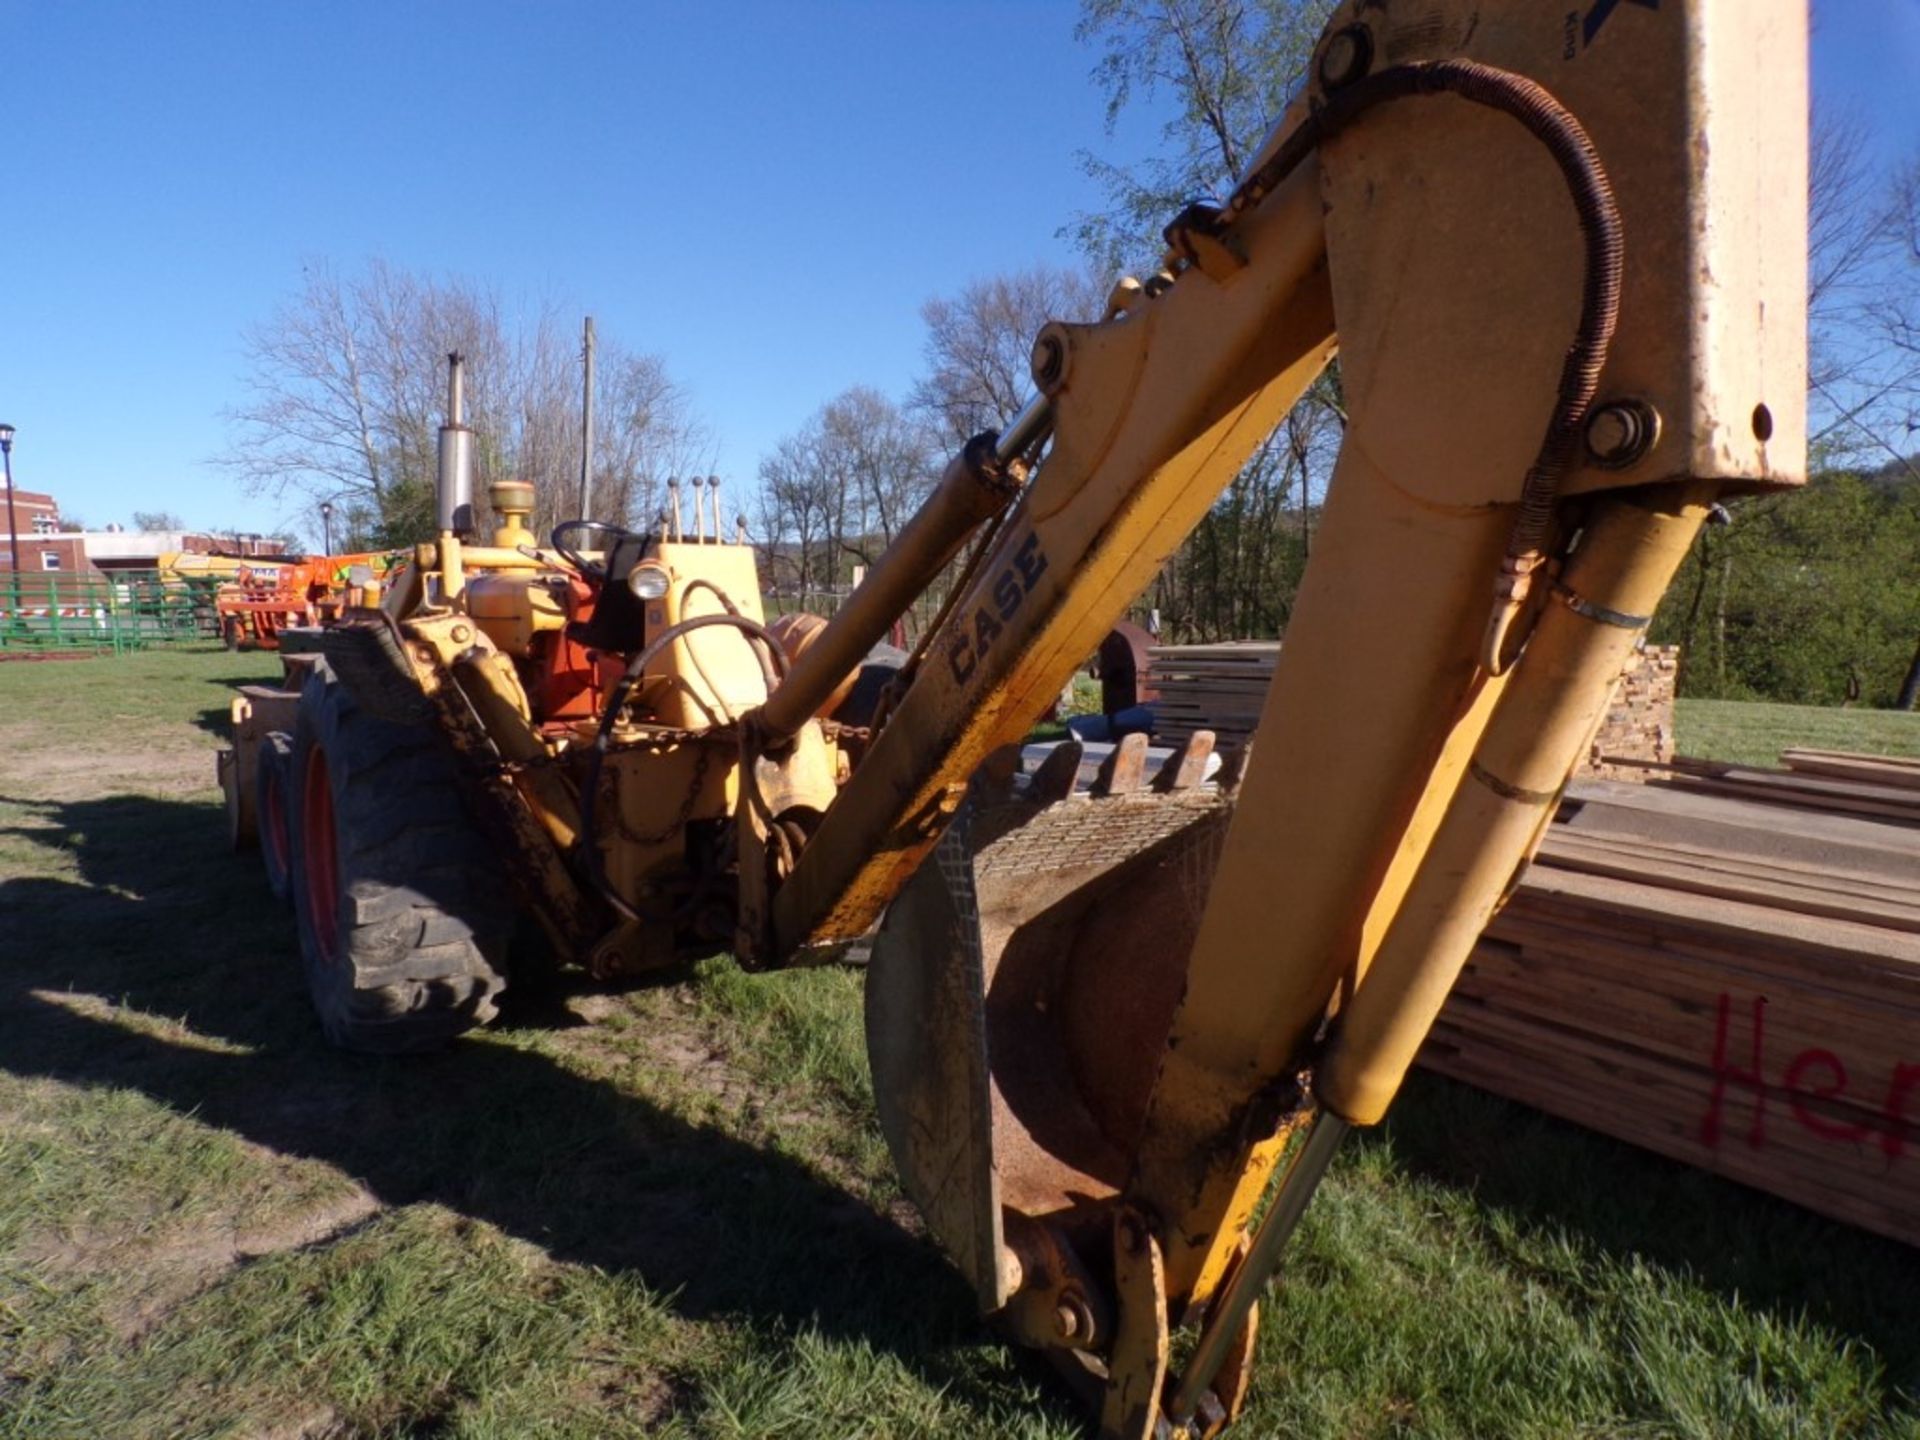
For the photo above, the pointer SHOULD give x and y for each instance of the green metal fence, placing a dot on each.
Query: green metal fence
(112, 611)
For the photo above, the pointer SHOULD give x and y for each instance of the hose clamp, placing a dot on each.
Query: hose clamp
(1599, 614)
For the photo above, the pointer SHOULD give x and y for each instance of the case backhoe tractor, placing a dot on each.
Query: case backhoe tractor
(1560, 252)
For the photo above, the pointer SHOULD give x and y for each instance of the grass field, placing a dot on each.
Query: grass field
(667, 1211)
(1755, 734)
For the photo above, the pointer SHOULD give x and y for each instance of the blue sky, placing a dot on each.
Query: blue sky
(761, 193)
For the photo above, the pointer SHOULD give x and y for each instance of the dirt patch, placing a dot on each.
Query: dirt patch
(103, 764)
(668, 1033)
(153, 1278)
(671, 1035)
(320, 1423)
(642, 1397)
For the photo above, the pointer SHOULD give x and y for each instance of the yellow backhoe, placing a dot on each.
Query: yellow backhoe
(1117, 1034)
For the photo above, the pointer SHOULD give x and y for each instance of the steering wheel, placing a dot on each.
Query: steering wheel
(590, 568)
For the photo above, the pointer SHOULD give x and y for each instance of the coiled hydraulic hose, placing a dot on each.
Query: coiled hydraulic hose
(1566, 140)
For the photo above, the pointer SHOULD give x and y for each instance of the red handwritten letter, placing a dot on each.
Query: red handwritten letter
(1798, 1094)
(1722, 1073)
(1906, 1080)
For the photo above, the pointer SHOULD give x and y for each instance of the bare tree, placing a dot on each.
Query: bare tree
(346, 384)
(1863, 299)
(644, 433)
(979, 344)
(795, 508)
(834, 494)
(1900, 327)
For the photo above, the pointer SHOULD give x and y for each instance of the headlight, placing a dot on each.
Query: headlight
(649, 582)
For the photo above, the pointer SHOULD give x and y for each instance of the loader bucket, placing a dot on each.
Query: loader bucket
(1019, 997)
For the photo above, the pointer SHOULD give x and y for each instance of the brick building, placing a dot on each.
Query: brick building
(45, 546)
(42, 544)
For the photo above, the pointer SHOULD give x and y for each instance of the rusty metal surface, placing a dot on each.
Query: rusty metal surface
(1088, 910)
(1125, 768)
(927, 1047)
(1137, 1368)
(1126, 669)
(572, 917)
(1018, 999)
(1057, 1304)
(1187, 766)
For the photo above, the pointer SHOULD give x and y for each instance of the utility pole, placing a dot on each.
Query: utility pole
(586, 423)
(13, 526)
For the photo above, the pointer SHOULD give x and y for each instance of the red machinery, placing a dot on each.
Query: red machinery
(264, 599)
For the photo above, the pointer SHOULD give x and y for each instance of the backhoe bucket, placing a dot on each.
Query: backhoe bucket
(1019, 997)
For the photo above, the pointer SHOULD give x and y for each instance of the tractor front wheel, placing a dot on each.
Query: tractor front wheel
(403, 912)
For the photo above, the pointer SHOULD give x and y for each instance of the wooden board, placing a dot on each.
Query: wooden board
(1721, 979)
(1903, 773)
(1211, 687)
(1867, 792)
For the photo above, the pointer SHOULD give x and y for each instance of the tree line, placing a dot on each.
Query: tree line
(1808, 596)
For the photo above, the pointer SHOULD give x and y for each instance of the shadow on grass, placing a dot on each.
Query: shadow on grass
(1548, 1178)
(165, 920)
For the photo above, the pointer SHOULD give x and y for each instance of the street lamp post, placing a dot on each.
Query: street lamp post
(326, 526)
(13, 526)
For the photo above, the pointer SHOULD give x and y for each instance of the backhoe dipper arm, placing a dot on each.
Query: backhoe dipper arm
(1563, 260)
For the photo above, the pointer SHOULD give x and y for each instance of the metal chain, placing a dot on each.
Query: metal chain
(673, 826)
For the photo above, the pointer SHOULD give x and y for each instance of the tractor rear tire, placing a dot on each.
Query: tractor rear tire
(403, 908)
(273, 809)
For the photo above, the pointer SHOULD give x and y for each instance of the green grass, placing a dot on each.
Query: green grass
(1085, 701)
(1751, 733)
(667, 1210)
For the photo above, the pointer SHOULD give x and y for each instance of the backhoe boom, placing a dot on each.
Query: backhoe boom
(1566, 285)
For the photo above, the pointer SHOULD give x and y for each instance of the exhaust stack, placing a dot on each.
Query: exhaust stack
(454, 495)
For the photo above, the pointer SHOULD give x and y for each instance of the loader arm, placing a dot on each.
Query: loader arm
(1562, 260)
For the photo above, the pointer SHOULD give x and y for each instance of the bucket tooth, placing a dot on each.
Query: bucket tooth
(1125, 768)
(1186, 767)
(1056, 776)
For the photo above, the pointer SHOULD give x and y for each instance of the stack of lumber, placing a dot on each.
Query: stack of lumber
(1211, 687)
(1716, 980)
(1639, 721)
(1832, 781)
(1221, 688)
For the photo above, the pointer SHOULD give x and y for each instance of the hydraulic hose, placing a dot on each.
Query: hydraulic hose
(726, 603)
(1567, 142)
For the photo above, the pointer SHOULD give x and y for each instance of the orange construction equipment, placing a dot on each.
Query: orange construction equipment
(266, 597)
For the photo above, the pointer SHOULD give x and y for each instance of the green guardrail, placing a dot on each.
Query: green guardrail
(113, 611)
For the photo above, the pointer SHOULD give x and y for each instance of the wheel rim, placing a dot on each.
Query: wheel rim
(318, 853)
